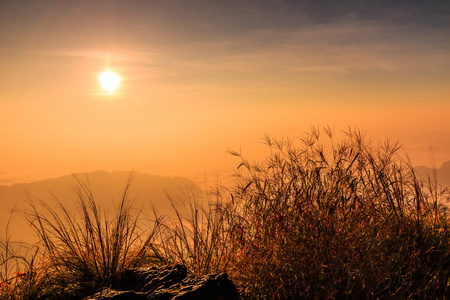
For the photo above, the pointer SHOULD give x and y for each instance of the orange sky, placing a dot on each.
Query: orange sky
(200, 77)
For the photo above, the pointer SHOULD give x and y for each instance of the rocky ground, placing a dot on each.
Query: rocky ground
(169, 282)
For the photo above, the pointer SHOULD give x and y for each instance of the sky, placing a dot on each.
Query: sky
(201, 77)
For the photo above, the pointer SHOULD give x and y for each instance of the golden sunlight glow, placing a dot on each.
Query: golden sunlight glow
(109, 81)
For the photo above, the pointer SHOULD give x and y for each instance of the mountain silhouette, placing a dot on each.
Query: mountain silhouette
(146, 191)
(442, 174)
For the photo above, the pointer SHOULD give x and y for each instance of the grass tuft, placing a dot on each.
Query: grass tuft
(194, 235)
(83, 253)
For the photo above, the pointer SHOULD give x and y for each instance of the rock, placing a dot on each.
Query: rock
(109, 294)
(150, 279)
(169, 283)
(217, 286)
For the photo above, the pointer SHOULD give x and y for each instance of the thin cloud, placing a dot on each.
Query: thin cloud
(115, 55)
(340, 47)
(310, 49)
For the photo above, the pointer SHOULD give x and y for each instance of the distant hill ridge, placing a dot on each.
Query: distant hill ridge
(146, 191)
(442, 173)
(93, 175)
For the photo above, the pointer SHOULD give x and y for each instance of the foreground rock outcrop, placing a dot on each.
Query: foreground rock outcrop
(169, 282)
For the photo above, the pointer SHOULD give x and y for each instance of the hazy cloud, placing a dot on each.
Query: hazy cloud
(339, 47)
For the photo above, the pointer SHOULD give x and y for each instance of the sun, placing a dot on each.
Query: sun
(109, 81)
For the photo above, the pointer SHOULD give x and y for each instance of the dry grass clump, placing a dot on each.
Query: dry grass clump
(345, 221)
(86, 252)
(19, 274)
(195, 234)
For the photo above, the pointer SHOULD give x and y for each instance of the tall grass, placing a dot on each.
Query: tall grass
(86, 252)
(19, 274)
(195, 234)
(320, 219)
(316, 219)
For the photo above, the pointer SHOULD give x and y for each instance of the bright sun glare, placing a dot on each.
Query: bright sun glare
(109, 81)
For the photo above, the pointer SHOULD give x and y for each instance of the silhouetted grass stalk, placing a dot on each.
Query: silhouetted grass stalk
(19, 274)
(195, 235)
